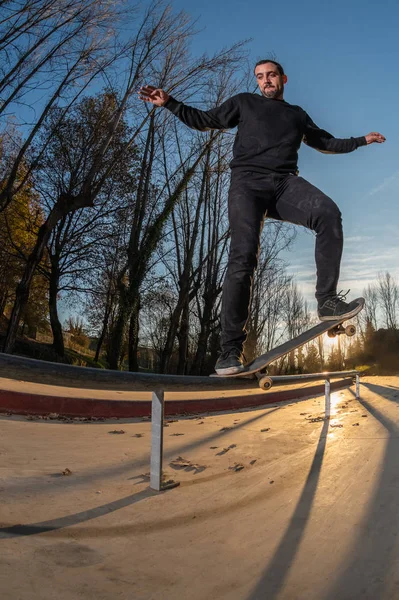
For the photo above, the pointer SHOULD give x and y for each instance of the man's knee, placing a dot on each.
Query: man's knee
(327, 215)
(243, 257)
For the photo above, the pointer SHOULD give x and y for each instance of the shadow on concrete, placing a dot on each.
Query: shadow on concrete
(273, 578)
(373, 557)
(75, 519)
(153, 525)
(383, 390)
(65, 483)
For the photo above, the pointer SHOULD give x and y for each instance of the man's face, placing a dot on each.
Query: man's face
(270, 82)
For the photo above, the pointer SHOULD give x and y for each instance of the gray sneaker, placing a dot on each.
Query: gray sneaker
(229, 362)
(336, 308)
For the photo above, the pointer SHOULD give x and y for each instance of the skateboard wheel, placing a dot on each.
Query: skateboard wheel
(350, 330)
(331, 333)
(265, 383)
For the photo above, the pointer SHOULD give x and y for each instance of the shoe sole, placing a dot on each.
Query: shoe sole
(348, 315)
(229, 370)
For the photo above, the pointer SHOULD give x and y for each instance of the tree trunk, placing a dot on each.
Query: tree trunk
(291, 362)
(58, 339)
(170, 340)
(115, 350)
(321, 351)
(202, 344)
(339, 353)
(134, 336)
(128, 314)
(300, 359)
(3, 302)
(102, 334)
(107, 312)
(23, 288)
(183, 340)
(214, 346)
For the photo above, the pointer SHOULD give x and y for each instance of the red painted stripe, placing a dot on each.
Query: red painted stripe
(37, 404)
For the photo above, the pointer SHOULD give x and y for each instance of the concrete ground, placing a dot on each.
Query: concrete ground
(313, 514)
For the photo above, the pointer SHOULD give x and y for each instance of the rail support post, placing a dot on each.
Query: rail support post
(357, 386)
(157, 415)
(327, 396)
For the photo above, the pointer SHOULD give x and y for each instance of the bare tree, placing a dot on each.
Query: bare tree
(155, 202)
(144, 238)
(190, 221)
(212, 263)
(74, 250)
(192, 256)
(58, 46)
(297, 319)
(185, 231)
(388, 294)
(74, 244)
(158, 304)
(369, 313)
(102, 295)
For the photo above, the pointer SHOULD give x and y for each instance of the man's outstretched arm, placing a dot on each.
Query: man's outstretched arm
(323, 141)
(224, 116)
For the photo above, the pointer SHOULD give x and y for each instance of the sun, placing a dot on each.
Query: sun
(330, 342)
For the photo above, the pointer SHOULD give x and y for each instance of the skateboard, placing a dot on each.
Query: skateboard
(257, 367)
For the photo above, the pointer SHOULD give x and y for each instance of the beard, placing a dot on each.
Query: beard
(271, 92)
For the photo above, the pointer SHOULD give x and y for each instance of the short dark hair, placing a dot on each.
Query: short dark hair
(269, 60)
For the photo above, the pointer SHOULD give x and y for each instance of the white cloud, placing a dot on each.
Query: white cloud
(358, 239)
(394, 178)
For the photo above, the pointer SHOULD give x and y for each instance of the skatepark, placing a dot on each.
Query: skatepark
(199, 301)
(274, 501)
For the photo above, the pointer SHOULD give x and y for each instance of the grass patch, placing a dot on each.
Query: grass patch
(40, 351)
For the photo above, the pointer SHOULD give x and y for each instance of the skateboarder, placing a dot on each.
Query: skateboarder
(264, 181)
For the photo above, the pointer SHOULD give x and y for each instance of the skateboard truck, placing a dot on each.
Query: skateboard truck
(349, 330)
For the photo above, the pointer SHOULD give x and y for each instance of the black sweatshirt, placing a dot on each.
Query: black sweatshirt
(269, 132)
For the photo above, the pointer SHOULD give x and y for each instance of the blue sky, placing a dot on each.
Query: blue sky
(341, 59)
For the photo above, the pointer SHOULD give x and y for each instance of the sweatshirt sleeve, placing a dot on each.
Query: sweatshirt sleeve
(225, 116)
(321, 140)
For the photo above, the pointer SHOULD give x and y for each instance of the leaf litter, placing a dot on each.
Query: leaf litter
(187, 465)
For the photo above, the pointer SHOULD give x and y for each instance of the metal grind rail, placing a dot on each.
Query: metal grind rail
(157, 414)
(59, 374)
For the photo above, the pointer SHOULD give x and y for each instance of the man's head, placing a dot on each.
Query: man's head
(271, 79)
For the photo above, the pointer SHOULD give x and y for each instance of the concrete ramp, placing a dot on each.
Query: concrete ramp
(273, 503)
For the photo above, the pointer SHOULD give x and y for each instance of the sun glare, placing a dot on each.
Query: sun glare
(330, 342)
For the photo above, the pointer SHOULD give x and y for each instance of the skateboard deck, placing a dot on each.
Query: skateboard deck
(332, 328)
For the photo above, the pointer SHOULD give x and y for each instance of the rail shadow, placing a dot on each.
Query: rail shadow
(273, 578)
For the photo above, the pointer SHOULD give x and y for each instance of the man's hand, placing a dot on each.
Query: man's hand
(374, 137)
(157, 97)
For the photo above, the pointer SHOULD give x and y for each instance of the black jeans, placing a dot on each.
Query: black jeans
(286, 198)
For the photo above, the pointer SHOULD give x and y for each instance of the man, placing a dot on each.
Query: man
(264, 182)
